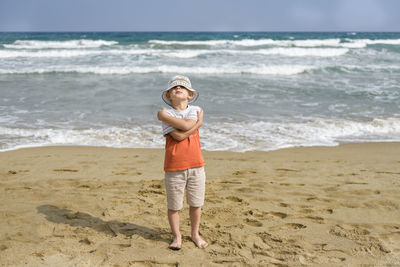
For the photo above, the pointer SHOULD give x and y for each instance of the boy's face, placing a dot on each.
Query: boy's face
(179, 93)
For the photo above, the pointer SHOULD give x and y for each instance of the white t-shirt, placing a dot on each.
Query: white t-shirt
(188, 114)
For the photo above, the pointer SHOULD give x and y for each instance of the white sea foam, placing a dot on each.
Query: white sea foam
(66, 53)
(83, 43)
(111, 137)
(361, 43)
(348, 43)
(44, 54)
(353, 44)
(284, 51)
(186, 53)
(301, 52)
(208, 42)
(261, 69)
(233, 136)
(314, 43)
(36, 44)
(253, 42)
(379, 41)
(370, 68)
(274, 135)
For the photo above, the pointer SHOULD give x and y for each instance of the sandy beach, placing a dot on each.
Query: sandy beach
(96, 206)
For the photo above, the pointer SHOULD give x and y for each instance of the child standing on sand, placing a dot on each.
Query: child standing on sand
(183, 162)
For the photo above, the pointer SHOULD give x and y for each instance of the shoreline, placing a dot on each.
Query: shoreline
(203, 150)
(77, 205)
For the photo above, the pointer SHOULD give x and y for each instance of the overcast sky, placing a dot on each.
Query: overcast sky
(200, 15)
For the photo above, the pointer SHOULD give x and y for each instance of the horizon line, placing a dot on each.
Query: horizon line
(273, 31)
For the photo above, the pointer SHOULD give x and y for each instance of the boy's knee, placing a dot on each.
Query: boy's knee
(173, 210)
(174, 205)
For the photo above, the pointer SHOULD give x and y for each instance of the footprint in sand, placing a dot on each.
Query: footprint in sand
(84, 186)
(147, 192)
(352, 182)
(65, 170)
(314, 198)
(268, 238)
(278, 214)
(306, 211)
(123, 245)
(252, 222)
(156, 186)
(38, 254)
(287, 184)
(256, 213)
(391, 227)
(286, 170)
(350, 232)
(244, 172)
(295, 226)
(336, 259)
(316, 219)
(373, 248)
(128, 173)
(330, 211)
(245, 190)
(85, 241)
(234, 199)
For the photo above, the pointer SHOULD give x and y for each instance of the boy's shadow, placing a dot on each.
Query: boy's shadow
(113, 228)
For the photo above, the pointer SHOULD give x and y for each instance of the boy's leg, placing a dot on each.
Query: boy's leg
(195, 214)
(195, 196)
(175, 183)
(173, 218)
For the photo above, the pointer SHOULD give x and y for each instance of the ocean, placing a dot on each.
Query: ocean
(259, 90)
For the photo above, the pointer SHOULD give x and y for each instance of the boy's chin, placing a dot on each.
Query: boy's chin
(179, 99)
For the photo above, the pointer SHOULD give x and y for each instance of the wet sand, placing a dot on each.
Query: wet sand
(96, 206)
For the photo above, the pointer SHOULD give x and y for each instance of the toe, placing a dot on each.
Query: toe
(199, 242)
(203, 244)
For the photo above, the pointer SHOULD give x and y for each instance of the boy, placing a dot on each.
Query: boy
(183, 163)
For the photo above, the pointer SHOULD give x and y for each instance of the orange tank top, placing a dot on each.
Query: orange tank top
(183, 155)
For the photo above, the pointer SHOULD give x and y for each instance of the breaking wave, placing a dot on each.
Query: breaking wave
(263, 69)
(233, 136)
(70, 44)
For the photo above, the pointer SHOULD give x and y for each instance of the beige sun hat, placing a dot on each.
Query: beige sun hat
(182, 81)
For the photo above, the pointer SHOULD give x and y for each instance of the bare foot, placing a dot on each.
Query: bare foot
(200, 243)
(176, 243)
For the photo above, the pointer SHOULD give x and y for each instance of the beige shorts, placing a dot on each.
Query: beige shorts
(193, 179)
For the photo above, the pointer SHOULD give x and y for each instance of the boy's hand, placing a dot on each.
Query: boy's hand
(179, 135)
(161, 114)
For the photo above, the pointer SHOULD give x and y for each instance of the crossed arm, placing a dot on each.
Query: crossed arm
(184, 128)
